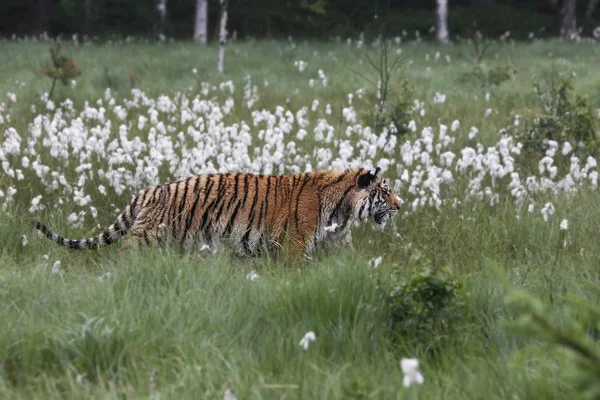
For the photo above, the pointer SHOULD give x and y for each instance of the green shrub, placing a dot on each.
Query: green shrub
(398, 111)
(486, 78)
(424, 309)
(565, 116)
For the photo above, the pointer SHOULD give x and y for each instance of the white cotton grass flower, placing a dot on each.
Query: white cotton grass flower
(252, 276)
(473, 133)
(410, 370)
(439, 98)
(105, 276)
(301, 65)
(455, 125)
(35, 204)
(56, 267)
(547, 211)
(81, 378)
(24, 240)
(412, 126)
(564, 225)
(374, 262)
(307, 338)
(230, 393)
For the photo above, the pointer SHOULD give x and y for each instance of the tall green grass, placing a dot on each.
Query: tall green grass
(134, 323)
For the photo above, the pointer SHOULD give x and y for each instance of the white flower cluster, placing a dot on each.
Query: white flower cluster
(114, 146)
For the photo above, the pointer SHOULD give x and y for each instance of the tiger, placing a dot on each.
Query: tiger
(252, 212)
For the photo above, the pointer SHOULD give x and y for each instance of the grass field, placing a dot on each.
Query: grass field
(159, 323)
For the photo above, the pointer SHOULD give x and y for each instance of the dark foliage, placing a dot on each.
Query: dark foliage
(278, 18)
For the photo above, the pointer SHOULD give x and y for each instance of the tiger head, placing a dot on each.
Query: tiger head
(377, 199)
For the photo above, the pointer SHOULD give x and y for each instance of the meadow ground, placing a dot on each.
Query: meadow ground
(480, 210)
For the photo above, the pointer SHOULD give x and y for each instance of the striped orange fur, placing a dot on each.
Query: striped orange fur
(251, 212)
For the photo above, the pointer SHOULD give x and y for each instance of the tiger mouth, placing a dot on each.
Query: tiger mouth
(382, 217)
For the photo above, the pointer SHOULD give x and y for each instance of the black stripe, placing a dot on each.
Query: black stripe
(208, 190)
(239, 205)
(135, 201)
(209, 208)
(107, 238)
(235, 191)
(118, 226)
(360, 210)
(336, 181)
(260, 215)
(268, 192)
(344, 222)
(318, 226)
(277, 180)
(294, 183)
(253, 206)
(252, 215)
(220, 211)
(231, 221)
(143, 199)
(192, 212)
(221, 199)
(174, 206)
(339, 204)
(183, 201)
(245, 189)
(264, 199)
(145, 237)
(298, 197)
(128, 223)
(289, 201)
(130, 210)
(165, 204)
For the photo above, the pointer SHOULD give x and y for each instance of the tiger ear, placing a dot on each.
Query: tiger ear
(364, 180)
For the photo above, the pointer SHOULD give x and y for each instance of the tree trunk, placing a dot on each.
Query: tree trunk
(442, 21)
(591, 8)
(43, 15)
(568, 25)
(222, 35)
(161, 7)
(201, 24)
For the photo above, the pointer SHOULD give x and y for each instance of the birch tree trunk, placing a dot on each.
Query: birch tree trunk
(568, 24)
(201, 22)
(222, 35)
(442, 21)
(161, 7)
